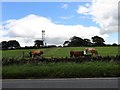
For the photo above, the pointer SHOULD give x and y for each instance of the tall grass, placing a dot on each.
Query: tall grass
(61, 70)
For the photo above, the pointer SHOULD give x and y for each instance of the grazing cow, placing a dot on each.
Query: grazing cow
(77, 53)
(93, 51)
(34, 53)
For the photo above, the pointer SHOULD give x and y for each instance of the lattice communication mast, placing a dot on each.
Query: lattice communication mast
(43, 35)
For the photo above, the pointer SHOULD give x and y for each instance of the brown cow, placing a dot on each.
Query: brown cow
(34, 53)
(93, 51)
(76, 53)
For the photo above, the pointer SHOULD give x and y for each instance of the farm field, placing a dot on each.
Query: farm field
(59, 69)
(61, 51)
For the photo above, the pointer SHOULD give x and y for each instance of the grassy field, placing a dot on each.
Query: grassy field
(61, 52)
(62, 70)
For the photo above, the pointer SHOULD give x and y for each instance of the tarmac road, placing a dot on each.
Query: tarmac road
(61, 83)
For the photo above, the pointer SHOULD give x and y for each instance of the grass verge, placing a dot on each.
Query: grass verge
(61, 70)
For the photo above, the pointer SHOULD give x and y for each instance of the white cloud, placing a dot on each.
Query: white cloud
(2, 31)
(65, 6)
(83, 10)
(104, 12)
(66, 18)
(29, 28)
(114, 42)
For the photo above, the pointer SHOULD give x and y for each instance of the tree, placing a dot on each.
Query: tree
(10, 44)
(66, 43)
(13, 44)
(87, 42)
(0, 46)
(76, 41)
(98, 40)
(114, 44)
(38, 43)
(4, 45)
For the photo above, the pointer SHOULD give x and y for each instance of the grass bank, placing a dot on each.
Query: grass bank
(61, 70)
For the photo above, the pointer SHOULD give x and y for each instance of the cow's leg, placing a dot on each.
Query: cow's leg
(92, 53)
(71, 55)
(32, 56)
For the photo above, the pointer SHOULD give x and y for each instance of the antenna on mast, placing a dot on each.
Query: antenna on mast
(43, 36)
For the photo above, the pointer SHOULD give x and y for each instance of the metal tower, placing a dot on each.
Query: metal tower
(43, 35)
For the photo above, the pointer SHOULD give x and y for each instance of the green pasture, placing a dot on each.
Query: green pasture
(60, 70)
(60, 51)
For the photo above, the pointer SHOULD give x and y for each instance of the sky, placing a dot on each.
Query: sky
(24, 21)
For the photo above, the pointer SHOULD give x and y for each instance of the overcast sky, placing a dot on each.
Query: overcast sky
(24, 21)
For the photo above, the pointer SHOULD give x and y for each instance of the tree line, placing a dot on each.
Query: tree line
(11, 44)
(72, 42)
(77, 41)
(14, 44)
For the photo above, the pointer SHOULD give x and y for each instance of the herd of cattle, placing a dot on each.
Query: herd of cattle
(75, 56)
(93, 51)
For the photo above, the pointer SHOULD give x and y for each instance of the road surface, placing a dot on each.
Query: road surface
(61, 83)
